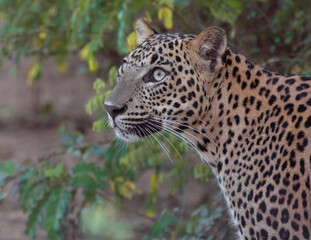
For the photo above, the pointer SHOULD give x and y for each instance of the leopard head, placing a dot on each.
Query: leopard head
(165, 83)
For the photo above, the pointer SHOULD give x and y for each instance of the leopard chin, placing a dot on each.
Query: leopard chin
(126, 135)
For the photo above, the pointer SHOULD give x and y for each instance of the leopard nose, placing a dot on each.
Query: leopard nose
(115, 110)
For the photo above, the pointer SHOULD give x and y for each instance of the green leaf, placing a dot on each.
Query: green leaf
(136, 158)
(35, 213)
(90, 177)
(202, 173)
(160, 227)
(32, 186)
(58, 199)
(97, 103)
(112, 76)
(30, 193)
(202, 220)
(227, 11)
(69, 139)
(54, 171)
(98, 126)
(165, 2)
(99, 85)
(121, 40)
(8, 168)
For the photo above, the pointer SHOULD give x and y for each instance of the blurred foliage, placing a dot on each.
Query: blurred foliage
(100, 220)
(200, 224)
(275, 33)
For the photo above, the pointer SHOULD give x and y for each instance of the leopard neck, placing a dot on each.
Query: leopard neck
(250, 125)
(241, 93)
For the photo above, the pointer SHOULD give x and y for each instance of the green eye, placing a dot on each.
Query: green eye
(158, 74)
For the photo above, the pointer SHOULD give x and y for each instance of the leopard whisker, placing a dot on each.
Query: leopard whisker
(117, 145)
(194, 129)
(199, 140)
(142, 130)
(162, 146)
(167, 141)
(177, 135)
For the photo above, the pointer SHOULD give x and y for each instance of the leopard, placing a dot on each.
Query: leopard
(250, 124)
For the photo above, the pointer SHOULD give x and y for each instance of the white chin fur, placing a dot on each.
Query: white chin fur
(110, 121)
(127, 137)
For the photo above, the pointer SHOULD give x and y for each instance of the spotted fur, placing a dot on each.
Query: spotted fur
(250, 124)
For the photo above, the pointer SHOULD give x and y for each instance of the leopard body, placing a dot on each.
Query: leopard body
(250, 124)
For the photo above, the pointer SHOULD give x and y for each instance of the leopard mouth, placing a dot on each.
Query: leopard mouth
(137, 131)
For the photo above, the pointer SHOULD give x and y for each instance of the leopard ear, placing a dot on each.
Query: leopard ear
(210, 44)
(143, 30)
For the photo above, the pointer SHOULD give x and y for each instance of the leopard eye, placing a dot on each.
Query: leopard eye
(158, 74)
